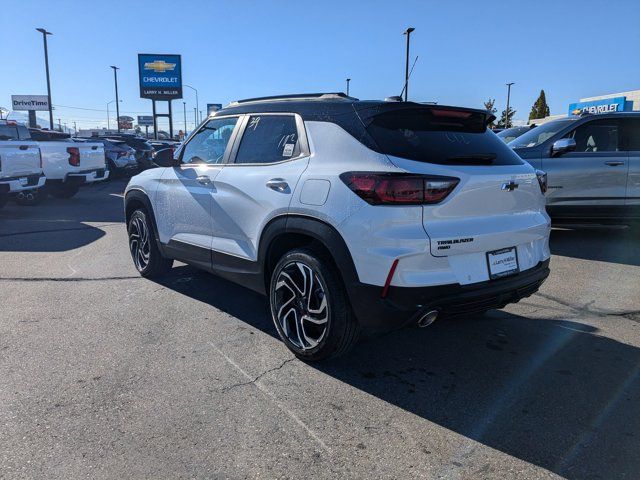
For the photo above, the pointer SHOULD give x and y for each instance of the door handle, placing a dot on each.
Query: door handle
(278, 184)
(614, 163)
(203, 180)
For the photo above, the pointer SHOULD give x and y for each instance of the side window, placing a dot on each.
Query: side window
(208, 144)
(269, 139)
(632, 134)
(597, 136)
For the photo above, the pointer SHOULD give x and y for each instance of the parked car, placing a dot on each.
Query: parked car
(143, 149)
(121, 158)
(351, 216)
(20, 163)
(592, 163)
(514, 132)
(67, 165)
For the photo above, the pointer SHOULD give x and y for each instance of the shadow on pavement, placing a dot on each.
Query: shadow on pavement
(550, 392)
(604, 244)
(58, 225)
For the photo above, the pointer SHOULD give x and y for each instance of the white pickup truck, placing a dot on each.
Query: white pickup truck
(69, 165)
(20, 164)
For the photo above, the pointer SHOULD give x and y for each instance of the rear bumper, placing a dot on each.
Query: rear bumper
(91, 176)
(14, 184)
(404, 304)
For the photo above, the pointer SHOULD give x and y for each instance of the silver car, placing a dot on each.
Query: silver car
(592, 163)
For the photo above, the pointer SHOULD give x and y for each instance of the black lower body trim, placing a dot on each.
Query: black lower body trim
(403, 304)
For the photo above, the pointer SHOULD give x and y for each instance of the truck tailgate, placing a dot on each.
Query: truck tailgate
(91, 156)
(18, 158)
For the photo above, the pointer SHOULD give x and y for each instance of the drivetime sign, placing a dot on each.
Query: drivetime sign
(606, 105)
(160, 76)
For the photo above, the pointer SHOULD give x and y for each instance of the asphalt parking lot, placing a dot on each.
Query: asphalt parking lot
(104, 374)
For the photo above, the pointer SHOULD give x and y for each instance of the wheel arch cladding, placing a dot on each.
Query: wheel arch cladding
(286, 233)
(136, 199)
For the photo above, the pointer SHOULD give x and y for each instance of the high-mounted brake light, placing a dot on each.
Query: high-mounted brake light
(399, 188)
(450, 113)
(74, 156)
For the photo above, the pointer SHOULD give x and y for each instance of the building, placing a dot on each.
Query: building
(613, 102)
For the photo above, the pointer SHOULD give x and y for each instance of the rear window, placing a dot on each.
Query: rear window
(446, 137)
(14, 132)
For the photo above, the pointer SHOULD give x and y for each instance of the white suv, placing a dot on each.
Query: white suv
(350, 215)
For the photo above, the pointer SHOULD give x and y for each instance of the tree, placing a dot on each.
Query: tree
(502, 123)
(489, 106)
(540, 108)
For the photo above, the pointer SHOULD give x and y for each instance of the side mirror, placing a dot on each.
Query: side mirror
(562, 146)
(165, 158)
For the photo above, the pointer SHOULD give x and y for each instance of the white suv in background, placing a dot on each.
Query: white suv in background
(349, 215)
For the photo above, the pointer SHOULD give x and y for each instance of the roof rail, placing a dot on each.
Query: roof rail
(297, 96)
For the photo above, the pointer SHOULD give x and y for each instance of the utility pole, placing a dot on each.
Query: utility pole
(46, 66)
(348, 80)
(75, 129)
(406, 67)
(59, 126)
(506, 115)
(115, 79)
(184, 108)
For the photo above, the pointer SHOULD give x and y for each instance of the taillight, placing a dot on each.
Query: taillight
(74, 156)
(542, 180)
(399, 188)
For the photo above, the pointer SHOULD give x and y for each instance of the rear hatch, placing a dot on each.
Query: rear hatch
(19, 158)
(497, 202)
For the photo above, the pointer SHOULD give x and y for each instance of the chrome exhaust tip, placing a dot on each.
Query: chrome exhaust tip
(428, 318)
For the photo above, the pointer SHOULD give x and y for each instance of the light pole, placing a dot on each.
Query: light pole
(197, 104)
(184, 108)
(195, 118)
(46, 66)
(348, 80)
(406, 66)
(115, 79)
(109, 103)
(506, 115)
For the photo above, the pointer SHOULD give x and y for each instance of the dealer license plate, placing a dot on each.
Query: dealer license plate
(503, 262)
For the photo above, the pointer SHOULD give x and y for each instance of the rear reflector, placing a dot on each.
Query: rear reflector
(74, 156)
(399, 188)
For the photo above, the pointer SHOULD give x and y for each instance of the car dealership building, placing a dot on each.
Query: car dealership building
(612, 102)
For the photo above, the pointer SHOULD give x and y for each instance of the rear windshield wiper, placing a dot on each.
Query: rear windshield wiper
(477, 159)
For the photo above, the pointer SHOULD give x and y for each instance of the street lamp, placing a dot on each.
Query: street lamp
(195, 118)
(108, 122)
(348, 80)
(406, 66)
(46, 66)
(115, 79)
(184, 108)
(506, 114)
(197, 104)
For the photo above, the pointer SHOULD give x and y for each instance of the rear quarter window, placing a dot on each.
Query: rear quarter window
(446, 137)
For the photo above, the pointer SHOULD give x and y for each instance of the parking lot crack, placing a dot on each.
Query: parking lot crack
(242, 384)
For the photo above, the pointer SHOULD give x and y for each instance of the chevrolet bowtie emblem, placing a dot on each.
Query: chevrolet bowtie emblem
(510, 186)
(159, 66)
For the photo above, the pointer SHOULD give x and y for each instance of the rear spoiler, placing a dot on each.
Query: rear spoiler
(367, 111)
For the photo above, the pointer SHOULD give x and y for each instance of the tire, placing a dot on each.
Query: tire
(64, 191)
(308, 283)
(32, 198)
(144, 250)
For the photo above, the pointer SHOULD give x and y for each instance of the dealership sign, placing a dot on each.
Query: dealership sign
(145, 120)
(160, 76)
(30, 102)
(605, 105)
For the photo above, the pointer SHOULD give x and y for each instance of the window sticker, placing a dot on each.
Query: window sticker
(288, 149)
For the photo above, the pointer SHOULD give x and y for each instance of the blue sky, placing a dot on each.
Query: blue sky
(234, 49)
